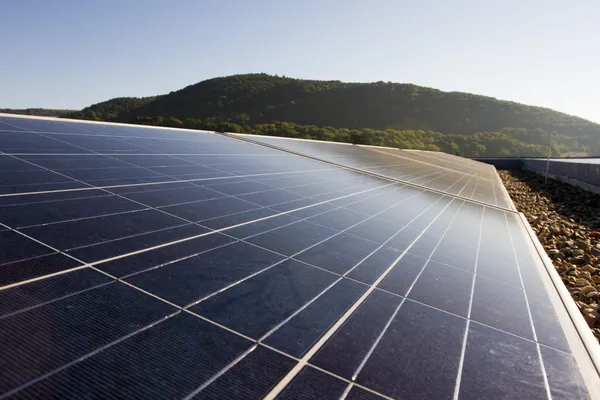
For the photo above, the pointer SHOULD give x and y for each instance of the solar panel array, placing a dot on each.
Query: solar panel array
(436, 171)
(140, 262)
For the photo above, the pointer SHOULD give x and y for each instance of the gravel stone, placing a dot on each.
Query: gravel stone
(566, 220)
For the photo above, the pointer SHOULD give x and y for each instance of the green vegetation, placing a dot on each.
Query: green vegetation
(390, 114)
(111, 110)
(40, 112)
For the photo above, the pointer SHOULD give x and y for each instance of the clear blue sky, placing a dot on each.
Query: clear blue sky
(72, 53)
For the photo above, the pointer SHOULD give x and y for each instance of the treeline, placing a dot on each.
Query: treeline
(111, 110)
(482, 144)
(40, 112)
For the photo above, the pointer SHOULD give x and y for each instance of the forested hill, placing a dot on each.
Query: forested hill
(258, 99)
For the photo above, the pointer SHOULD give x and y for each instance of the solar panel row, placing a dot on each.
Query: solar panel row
(447, 173)
(151, 263)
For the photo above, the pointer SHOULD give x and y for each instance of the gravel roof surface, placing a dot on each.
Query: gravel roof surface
(566, 220)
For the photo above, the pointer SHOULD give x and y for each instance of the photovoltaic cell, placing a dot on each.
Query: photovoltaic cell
(313, 384)
(251, 378)
(259, 303)
(391, 273)
(79, 324)
(167, 360)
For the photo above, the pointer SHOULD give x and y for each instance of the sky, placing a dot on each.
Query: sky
(71, 53)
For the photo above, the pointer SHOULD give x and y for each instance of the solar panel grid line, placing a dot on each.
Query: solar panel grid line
(304, 360)
(589, 343)
(49, 247)
(84, 218)
(419, 161)
(210, 321)
(4, 227)
(157, 183)
(460, 166)
(105, 168)
(243, 137)
(383, 396)
(340, 275)
(366, 358)
(227, 244)
(385, 328)
(349, 382)
(170, 243)
(463, 180)
(220, 373)
(183, 223)
(445, 190)
(535, 337)
(285, 202)
(465, 186)
(231, 227)
(96, 351)
(141, 184)
(110, 156)
(185, 308)
(464, 344)
(417, 179)
(283, 260)
(346, 391)
(38, 278)
(324, 212)
(432, 175)
(68, 179)
(173, 261)
(336, 158)
(475, 188)
(42, 304)
(244, 279)
(157, 209)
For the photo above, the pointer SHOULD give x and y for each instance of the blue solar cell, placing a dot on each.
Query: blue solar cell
(68, 235)
(79, 325)
(373, 266)
(313, 384)
(37, 266)
(343, 353)
(250, 378)
(498, 365)
(256, 305)
(128, 244)
(564, 378)
(297, 335)
(18, 216)
(418, 355)
(502, 306)
(189, 280)
(168, 360)
(444, 287)
(338, 254)
(22, 297)
(294, 238)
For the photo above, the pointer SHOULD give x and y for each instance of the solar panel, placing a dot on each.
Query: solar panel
(140, 262)
(447, 173)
